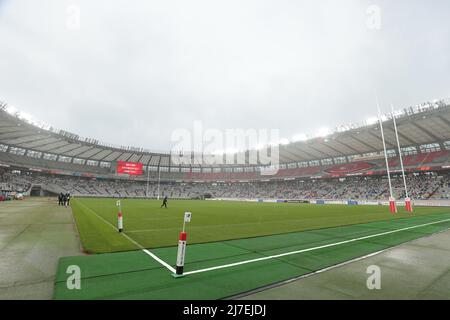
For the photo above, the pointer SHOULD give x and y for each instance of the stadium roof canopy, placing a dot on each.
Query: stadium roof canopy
(428, 124)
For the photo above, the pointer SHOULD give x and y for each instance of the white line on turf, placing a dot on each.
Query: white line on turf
(165, 264)
(311, 249)
(282, 283)
(162, 262)
(370, 255)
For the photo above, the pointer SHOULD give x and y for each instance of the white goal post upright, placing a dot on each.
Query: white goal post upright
(392, 204)
(148, 181)
(408, 205)
(159, 179)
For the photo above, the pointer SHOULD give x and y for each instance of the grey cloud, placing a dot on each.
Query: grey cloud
(138, 70)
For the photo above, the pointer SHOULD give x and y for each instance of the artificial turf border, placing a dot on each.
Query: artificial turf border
(145, 279)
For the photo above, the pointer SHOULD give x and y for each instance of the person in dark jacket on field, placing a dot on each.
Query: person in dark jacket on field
(164, 204)
(64, 200)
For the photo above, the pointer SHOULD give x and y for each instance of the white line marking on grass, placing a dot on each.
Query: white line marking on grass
(162, 262)
(165, 264)
(311, 249)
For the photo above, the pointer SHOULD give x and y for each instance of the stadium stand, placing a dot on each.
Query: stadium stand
(10, 182)
(348, 164)
(350, 168)
(421, 186)
(421, 159)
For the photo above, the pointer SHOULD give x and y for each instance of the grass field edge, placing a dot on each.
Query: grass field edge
(266, 234)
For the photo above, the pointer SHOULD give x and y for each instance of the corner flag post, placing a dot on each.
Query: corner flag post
(392, 204)
(182, 247)
(119, 217)
(408, 205)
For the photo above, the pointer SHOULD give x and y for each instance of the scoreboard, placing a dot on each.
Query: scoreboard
(131, 168)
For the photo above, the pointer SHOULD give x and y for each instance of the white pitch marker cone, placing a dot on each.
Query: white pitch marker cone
(181, 254)
(119, 216)
(179, 269)
(120, 221)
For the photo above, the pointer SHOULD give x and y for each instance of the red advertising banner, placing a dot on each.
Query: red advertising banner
(131, 168)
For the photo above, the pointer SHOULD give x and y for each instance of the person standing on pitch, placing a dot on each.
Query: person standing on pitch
(68, 199)
(164, 204)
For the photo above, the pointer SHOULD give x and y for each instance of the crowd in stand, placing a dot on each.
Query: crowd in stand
(421, 186)
(10, 182)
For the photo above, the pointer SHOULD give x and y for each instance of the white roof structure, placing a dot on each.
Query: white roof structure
(424, 125)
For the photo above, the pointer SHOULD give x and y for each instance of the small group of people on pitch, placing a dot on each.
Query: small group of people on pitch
(64, 199)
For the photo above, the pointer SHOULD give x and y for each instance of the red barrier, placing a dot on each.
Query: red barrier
(408, 205)
(392, 205)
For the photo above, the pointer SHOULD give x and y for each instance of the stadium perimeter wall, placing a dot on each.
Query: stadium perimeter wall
(418, 203)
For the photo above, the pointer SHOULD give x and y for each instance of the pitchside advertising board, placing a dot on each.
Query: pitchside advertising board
(131, 168)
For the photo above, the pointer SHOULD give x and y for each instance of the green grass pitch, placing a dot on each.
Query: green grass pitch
(153, 227)
(223, 233)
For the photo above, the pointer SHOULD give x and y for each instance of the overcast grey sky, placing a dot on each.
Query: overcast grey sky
(137, 70)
